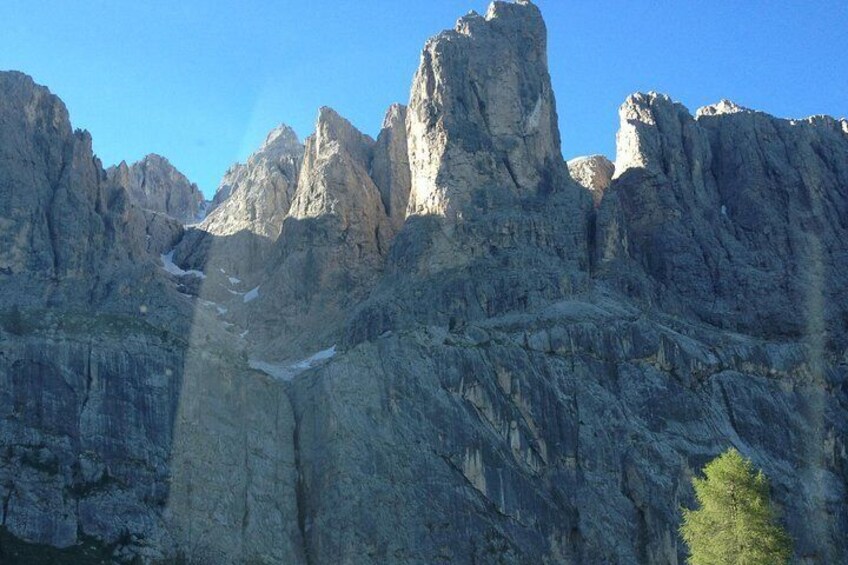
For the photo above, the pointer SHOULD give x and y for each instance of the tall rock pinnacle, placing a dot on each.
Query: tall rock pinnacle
(482, 114)
(390, 165)
(332, 242)
(255, 196)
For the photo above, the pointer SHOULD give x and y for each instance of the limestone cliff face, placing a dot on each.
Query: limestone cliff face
(735, 215)
(594, 173)
(482, 114)
(568, 435)
(335, 178)
(519, 377)
(256, 196)
(51, 185)
(333, 241)
(490, 192)
(248, 210)
(390, 166)
(155, 184)
(62, 220)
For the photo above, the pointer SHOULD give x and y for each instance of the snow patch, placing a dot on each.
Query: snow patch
(535, 117)
(286, 371)
(234, 280)
(250, 295)
(315, 359)
(174, 269)
(221, 309)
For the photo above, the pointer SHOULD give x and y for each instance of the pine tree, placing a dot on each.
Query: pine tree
(735, 523)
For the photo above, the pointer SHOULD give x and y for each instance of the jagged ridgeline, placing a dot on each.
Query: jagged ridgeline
(443, 345)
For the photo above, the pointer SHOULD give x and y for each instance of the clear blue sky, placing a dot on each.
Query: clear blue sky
(201, 82)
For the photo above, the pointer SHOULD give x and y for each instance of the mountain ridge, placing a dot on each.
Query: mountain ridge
(512, 369)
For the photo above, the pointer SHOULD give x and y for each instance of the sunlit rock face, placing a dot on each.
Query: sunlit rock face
(482, 114)
(517, 377)
(490, 192)
(334, 179)
(155, 184)
(593, 173)
(248, 211)
(735, 215)
(332, 245)
(256, 196)
(390, 166)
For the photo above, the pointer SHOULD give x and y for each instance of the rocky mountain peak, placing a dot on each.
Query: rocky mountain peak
(395, 116)
(651, 135)
(593, 172)
(333, 241)
(331, 129)
(390, 165)
(543, 405)
(724, 106)
(334, 178)
(281, 145)
(693, 202)
(283, 138)
(156, 185)
(252, 201)
(482, 114)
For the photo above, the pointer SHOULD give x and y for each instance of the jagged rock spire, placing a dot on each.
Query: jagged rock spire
(482, 114)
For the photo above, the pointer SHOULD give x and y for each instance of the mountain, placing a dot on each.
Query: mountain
(733, 216)
(594, 172)
(155, 185)
(258, 193)
(445, 344)
(248, 210)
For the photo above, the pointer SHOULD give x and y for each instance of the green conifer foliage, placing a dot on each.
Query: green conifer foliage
(735, 523)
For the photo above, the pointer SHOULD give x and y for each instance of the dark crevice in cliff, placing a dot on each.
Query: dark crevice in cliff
(6, 500)
(508, 166)
(89, 379)
(480, 495)
(730, 415)
(300, 484)
(591, 239)
(52, 232)
(481, 107)
(245, 517)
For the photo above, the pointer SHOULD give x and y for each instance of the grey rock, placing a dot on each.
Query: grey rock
(691, 219)
(579, 452)
(258, 193)
(482, 112)
(390, 166)
(249, 208)
(332, 244)
(490, 192)
(155, 184)
(66, 232)
(519, 377)
(594, 173)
